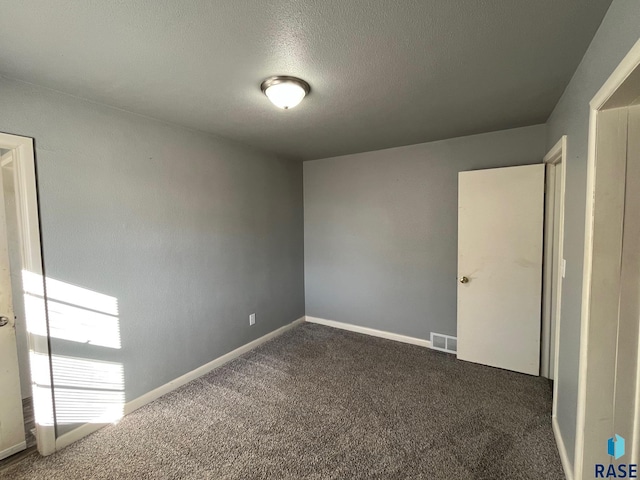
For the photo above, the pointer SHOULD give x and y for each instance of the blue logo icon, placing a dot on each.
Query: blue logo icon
(615, 446)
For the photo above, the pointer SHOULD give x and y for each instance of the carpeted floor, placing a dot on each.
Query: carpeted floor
(320, 403)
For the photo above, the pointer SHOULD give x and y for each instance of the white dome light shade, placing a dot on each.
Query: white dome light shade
(285, 92)
(285, 95)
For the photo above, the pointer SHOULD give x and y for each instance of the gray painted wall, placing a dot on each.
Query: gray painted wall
(381, 229)
(619, 31)
(190, 233)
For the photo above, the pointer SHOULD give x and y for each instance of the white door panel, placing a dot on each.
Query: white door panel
(12, 435)
(500, 232)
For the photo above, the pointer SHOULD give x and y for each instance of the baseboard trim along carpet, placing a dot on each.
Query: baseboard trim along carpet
(562, 450)
(88, 428)
(369, 331)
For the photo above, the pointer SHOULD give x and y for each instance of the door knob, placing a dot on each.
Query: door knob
(464, 280)
(3, 321)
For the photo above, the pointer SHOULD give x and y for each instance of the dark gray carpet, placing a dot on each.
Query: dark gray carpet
(320, 403)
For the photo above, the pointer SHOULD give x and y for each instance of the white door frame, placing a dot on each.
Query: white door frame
(34, 294)
(557, 156)
(596, 176)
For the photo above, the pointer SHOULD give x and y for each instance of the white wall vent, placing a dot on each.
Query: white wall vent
(444, 343)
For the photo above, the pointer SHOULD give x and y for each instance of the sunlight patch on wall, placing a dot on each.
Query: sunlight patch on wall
(41, 388)
(81, 297)
(35, 316)
(76, 314)
(87, 391)
(68, 322)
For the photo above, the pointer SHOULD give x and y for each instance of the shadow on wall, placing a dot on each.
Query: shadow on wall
(85, 390)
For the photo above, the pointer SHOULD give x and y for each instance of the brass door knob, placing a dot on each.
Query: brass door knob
(464, 280)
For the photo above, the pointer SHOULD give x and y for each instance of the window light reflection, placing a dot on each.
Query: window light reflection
(85, 390)
(75, 314)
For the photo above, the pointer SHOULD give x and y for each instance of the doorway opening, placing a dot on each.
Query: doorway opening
(26, 413)
(553, 265)
(11, 241)
(609, 381)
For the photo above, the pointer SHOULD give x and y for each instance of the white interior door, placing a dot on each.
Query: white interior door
(500, 232)
(12, 435)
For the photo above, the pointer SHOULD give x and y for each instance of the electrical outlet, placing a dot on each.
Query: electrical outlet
(252, 319)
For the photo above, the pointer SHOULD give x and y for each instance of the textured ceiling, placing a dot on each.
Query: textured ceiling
(383, 73)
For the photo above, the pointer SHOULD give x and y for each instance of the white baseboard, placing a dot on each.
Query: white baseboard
(562, 450)
(204, 369)
(11, 450)
(88, 428)
(76, 434)
(370, 331)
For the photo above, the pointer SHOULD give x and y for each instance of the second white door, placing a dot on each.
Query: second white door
(500, 233)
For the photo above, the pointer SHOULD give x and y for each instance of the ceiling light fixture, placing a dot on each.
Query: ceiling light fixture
(285, 92)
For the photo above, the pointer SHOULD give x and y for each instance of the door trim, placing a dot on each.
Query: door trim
(36, 317)
(558, 155)
(599, 102)
(562, 449)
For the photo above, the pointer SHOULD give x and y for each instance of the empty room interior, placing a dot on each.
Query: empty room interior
(339, 239)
